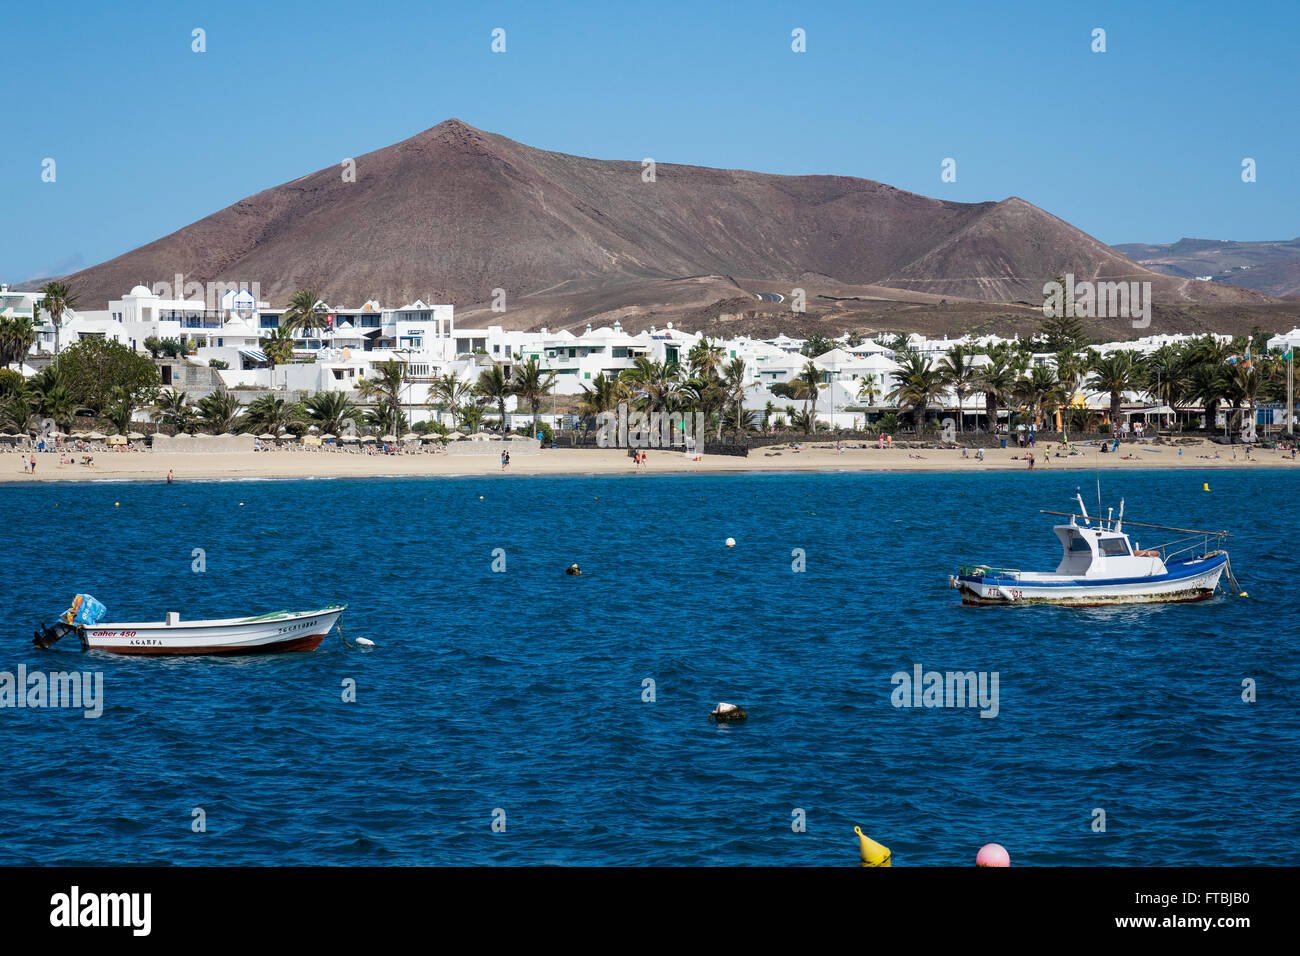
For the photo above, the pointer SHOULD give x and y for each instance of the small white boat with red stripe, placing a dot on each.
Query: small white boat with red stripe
(276, 632)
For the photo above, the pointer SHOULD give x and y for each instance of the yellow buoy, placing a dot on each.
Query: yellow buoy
(117, 504)
(872, 853)
(1206, 486)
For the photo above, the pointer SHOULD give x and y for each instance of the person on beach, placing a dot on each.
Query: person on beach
(979, 454)
(503, 461)
(33, 464)
(1030, 458)
(882, 441)
(170, 477)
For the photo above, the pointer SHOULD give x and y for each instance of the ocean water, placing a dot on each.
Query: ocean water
(517, 696)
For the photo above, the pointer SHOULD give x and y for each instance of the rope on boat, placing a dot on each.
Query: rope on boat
(1232, 578)
(339, 624)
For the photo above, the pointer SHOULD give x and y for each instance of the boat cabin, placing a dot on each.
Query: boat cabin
(1094, 552)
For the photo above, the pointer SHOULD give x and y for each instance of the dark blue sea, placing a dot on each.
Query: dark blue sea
(518, 696)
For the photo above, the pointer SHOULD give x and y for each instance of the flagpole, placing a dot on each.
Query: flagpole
(1290, 392)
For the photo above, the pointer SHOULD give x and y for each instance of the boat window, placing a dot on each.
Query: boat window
(1077, 543)
(1114, 546)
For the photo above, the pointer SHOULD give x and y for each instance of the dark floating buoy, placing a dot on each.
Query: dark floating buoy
(728, 712)
(573, 571)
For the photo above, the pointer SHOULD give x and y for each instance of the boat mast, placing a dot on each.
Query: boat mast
(1119, 524)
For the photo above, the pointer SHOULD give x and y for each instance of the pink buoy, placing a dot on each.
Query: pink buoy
(993, 854)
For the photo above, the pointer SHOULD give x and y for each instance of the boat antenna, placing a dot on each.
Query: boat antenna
(1119, 525)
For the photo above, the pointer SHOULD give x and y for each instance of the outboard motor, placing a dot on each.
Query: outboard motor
(85, 610)
(46, 636)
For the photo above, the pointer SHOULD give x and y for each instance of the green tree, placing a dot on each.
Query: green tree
(97, 371)
(271, 414)
(919, 384)
(17, 336)
(306, 312)
(806, 386)
(219, 412)
(331, 411)
(1116, 373)
(57, 298)
(532, 384)
(959, 372)
(494, 385)
(386, 389)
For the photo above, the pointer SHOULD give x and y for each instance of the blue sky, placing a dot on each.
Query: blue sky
(1141, 143)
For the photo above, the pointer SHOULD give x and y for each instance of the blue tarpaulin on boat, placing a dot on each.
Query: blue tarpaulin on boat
(85, 610)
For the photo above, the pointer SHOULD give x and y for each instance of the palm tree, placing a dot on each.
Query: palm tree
(869, 391)
(120, 412)
(655, 381)
(919, 384)
(58, 298)
(278, 348)
(733, 378)
(219, 412)
(959, 373)
(602, 395)
(532, 384)
(331, 411)
(173, 407)
(705, 357)
(306, 312)
(272, 414)
(451, 392)
(386, 420)
(806, 386)
(386, 390)
(1041, 391)
(17, 336)
(1116, 373)
(496, 386)
(702, 393)
(1244, 386)
(997, 380)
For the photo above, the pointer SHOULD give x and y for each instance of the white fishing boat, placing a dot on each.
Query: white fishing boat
(1100, 565)
(265, 633)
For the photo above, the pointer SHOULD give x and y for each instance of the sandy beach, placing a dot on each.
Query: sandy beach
(148, 466)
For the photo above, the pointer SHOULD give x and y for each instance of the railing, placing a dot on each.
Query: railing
(984, 570)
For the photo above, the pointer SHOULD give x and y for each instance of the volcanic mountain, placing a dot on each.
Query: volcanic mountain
(454, 213)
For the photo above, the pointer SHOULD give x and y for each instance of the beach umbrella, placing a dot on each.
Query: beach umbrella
(327, 435)
(480, 436)
(349, 438)
(95, 436)
(433, 436)
(388, 438)
(134, 436)
(367, 437)
(410, 436)
(454, 436)
(266, 436)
